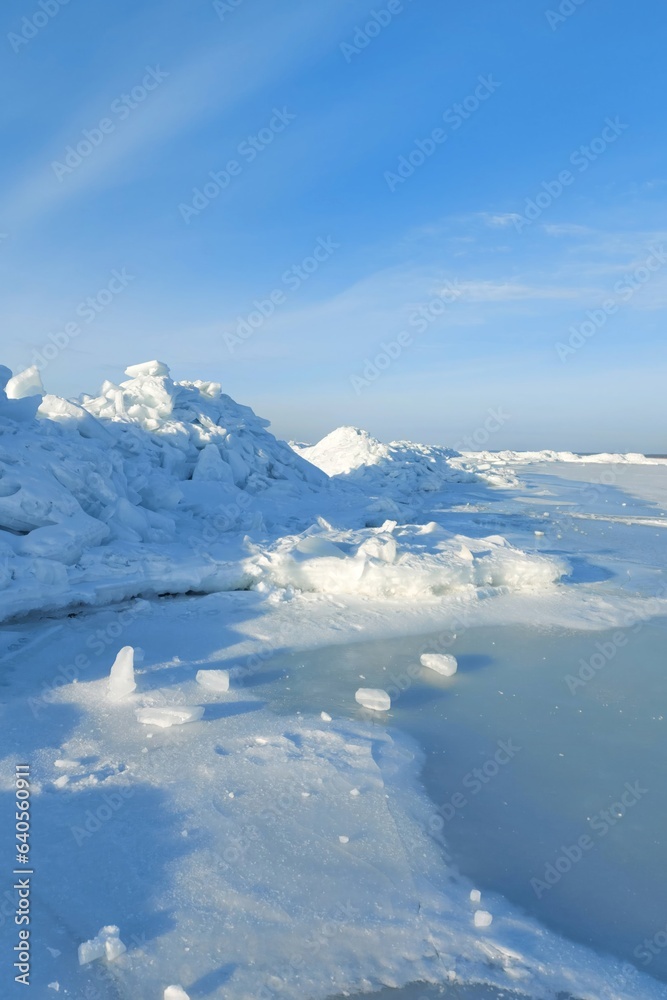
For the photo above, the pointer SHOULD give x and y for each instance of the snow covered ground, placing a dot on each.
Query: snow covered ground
(275, 839)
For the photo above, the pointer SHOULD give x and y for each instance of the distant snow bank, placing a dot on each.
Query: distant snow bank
(404, 467)
(401, 467)
(156, 486)
(503, 459)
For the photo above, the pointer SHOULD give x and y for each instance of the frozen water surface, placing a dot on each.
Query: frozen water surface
(565, 763)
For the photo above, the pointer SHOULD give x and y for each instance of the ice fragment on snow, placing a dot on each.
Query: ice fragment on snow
(121, 678)
(441, 663)
(344, 840)
(147, 368)
(325, 717)
(106, 944)
(26, 383)
(213, 680)
(169, 715)
(482, 918)
(175, 993)
(475, 895)
(374, 698)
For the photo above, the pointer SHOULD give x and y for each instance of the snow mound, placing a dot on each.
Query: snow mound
(134, 492)
(406, 561)
(345, 450)
(401, 467)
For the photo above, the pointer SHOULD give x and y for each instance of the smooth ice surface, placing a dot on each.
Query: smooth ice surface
(374, 699)
(121, 678)
(441, 663)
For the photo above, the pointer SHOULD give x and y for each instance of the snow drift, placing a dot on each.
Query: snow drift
(156, 486)
(133, 491)
(411, 561)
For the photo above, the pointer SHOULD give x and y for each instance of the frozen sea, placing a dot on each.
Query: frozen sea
(226, 860)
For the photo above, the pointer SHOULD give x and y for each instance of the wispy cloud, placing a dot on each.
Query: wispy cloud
(209, 84)
(509, 291)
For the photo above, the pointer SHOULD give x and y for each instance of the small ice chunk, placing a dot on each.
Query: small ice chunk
(91, 950)
(354, 792)
(61, 781)
(147, 368)
(121, 678)
(106, 944)
(169, 715)
(325, 717)
(475, 895)
(54, 986)
(482, 918)
(343, 839)
(175, 993)
(442, 663)
(26, 383)
(213, 680)
(374, 698)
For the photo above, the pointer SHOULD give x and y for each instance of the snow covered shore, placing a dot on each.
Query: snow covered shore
(157, 486)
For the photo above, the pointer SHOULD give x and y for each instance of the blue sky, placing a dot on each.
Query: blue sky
(551, 309)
